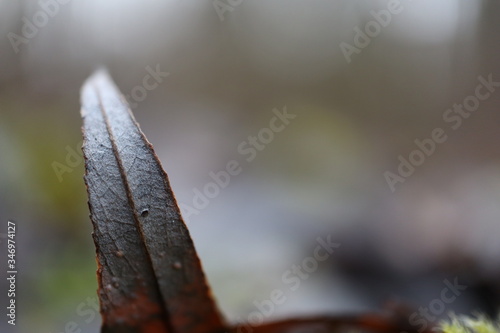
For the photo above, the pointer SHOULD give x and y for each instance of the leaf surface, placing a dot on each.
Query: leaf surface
(150, 277)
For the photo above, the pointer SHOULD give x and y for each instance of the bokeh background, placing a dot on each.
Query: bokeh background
(230, 63)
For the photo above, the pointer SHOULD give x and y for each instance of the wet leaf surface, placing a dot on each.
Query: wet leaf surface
(150, 277)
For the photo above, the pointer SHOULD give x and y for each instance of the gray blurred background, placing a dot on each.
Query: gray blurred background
(229, 64)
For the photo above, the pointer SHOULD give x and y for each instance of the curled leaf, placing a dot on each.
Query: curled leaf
(150, 277)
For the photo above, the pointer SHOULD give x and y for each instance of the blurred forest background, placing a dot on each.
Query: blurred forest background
(230, 63)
